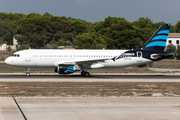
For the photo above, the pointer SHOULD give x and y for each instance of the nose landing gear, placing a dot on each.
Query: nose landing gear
(28, 72)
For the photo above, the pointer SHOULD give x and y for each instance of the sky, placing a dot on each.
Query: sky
(96, 10)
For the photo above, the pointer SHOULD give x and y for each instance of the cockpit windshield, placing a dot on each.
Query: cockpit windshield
(15, 55)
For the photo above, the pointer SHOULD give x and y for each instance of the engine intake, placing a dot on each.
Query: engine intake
(65, 69)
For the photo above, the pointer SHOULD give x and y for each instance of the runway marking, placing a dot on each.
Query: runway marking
(19, 108)
(178, 106)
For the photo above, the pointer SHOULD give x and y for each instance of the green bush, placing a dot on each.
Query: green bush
(178, 52)
(172, 49)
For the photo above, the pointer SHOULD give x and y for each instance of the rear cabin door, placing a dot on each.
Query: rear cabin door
(139, 56)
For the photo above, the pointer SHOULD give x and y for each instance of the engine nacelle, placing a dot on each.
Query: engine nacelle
(64, 69)
(55, 70)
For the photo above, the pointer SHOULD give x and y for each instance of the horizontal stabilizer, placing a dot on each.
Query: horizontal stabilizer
(157, 56)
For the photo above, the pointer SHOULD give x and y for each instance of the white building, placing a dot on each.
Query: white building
(173, 38)
(15, 46)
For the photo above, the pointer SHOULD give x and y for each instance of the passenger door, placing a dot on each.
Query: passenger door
(28, 56)
(139, 56)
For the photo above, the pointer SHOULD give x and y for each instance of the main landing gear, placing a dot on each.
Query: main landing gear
(84, 73)
(28, 72)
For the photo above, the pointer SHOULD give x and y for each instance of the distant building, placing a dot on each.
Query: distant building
(15, 46)
(173, 38)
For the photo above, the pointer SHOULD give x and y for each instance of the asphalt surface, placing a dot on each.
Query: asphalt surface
(100, 77)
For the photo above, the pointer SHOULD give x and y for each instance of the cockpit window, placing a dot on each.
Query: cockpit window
(15, 55)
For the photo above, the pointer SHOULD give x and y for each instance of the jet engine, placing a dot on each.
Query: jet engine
(64, 69)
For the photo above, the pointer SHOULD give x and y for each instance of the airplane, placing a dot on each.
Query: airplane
(69, 61)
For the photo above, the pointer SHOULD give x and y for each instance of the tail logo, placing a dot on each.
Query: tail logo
(159, 39)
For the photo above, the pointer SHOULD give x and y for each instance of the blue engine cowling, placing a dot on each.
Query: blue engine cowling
(64, 69)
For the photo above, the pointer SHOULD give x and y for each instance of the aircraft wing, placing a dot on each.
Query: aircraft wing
(86, 63)
(82, 63)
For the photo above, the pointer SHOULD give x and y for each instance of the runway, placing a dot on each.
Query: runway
(88, 108)
(95, 77)
(117, 108)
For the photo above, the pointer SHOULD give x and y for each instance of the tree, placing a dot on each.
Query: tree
(112, 33)
(91, 40)
(46, 14)
(172, 29)
(9, 38)
(8, 49)
(33, 15)
(177, 27)
(119, 33)
(146, 28)
(172, 49)
(6, 31)
(178, 52)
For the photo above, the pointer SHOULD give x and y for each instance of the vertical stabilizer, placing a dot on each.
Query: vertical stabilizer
(158, 40)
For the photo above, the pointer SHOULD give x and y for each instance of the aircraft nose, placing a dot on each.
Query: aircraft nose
(7, 61)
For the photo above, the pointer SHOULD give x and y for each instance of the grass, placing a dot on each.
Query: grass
(88, 89)
(166, 63)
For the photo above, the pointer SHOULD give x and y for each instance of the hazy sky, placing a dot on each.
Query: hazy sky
(95, 10)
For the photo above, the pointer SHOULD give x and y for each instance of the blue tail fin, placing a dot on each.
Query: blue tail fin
(158, 40)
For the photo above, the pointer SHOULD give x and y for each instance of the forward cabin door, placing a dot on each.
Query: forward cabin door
(28, 56)
(139, 56)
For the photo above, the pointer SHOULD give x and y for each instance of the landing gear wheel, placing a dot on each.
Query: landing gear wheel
(28, 70)
(27, 74)
(87, 74)
(83, 73)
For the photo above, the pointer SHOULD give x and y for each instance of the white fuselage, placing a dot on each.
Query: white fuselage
(52, 57)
